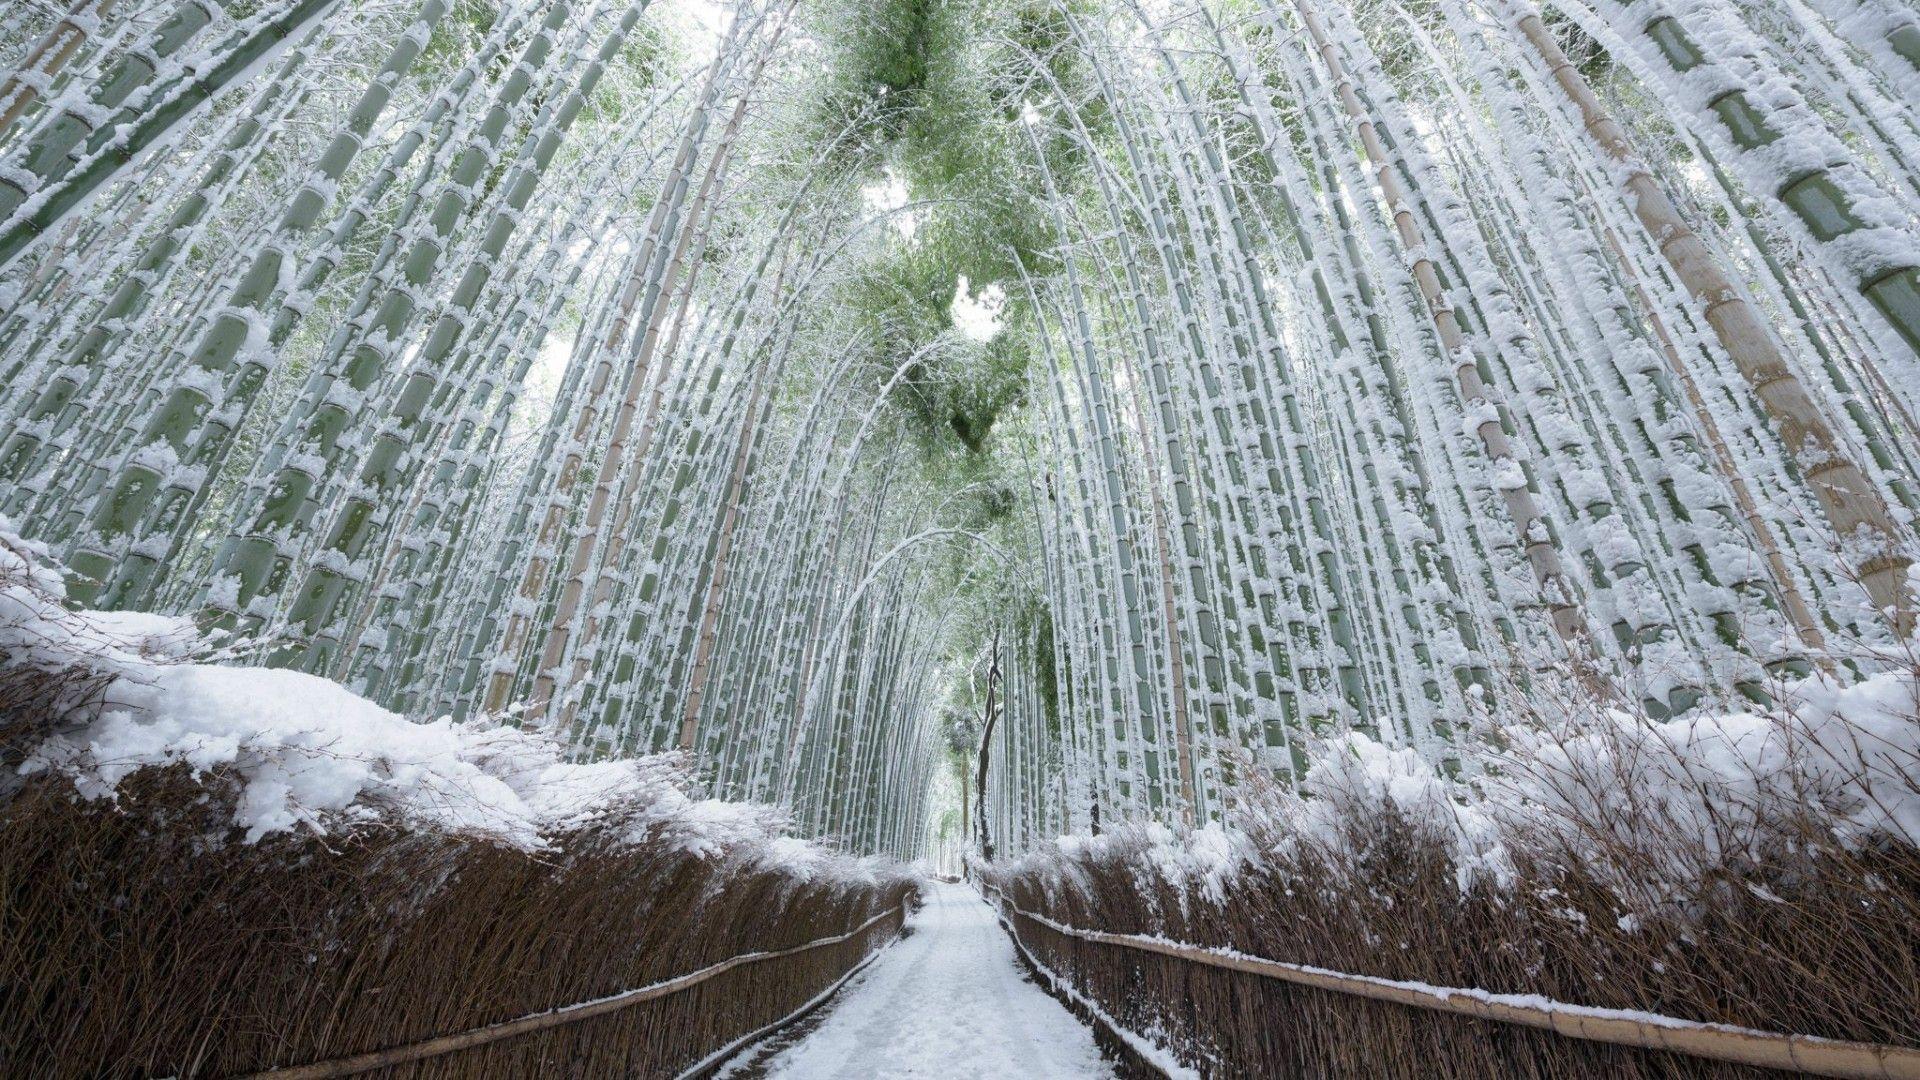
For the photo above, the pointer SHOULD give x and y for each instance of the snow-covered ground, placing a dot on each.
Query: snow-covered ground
(951, 1002)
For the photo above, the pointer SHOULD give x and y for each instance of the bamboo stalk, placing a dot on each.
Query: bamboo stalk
(1851, 502)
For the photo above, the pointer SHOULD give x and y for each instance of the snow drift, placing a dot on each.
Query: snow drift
(193, 842)
(1759, 869)
(306, 752)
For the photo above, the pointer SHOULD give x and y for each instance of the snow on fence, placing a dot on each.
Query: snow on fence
(1748, 873)
(209, 870)
(1804, 1054)
(143, 937)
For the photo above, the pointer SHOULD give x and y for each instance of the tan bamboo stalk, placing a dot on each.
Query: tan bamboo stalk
(717, 577)
(1557, 592)
(560, 631)
(546, 539)
(694, 235)
(533, 581)
(617, 535)
(1849, 498)
(46, 58)
(1791, 599)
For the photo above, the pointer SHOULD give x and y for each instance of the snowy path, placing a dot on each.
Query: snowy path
(951, 1002)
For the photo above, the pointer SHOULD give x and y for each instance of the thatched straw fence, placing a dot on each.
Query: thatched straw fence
(142, 938)
(1829, 948)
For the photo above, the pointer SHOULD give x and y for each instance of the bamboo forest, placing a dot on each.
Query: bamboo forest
(1002, 538)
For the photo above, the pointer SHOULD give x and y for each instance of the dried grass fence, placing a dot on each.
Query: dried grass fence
(1829, 948)
(1618, 1027)
(141, 939)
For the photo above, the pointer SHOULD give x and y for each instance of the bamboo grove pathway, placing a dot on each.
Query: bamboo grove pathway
(949, 1001)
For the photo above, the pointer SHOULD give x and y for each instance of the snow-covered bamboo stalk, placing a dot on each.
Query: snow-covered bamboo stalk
(1853, 505)
(1557, 592)
(46, 58)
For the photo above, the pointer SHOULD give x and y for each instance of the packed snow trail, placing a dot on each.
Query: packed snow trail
(950, 1001)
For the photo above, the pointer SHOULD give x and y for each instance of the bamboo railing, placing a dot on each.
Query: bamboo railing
(1804, 1054)
(569, 1014)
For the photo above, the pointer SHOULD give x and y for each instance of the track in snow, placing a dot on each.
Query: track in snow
(950, 1001)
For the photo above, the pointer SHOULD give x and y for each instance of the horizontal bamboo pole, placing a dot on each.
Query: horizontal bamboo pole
(712, 1063)
(540, 1021)
(1805, 1054)
(1140, 1053)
